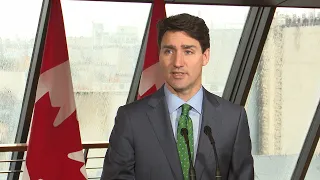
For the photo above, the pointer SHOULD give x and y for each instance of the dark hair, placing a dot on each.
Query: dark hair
(194, 26)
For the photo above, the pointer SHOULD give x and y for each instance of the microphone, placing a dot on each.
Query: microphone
(207, 131)
(192, 171)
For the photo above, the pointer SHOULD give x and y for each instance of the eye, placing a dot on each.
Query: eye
(167, 51)
(188, 52)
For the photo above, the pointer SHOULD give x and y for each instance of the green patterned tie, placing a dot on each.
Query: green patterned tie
(185, 122)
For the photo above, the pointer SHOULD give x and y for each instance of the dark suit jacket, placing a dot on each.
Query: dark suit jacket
(142, 144)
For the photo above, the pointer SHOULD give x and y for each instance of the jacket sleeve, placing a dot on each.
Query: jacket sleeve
(119, 159)
(242, 160)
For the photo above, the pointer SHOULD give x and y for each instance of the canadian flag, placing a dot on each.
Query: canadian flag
(151, 79)
(54, 147)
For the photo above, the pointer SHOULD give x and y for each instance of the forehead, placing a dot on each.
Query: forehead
(178, 39)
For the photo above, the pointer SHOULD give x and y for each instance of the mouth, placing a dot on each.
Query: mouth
(178, 75)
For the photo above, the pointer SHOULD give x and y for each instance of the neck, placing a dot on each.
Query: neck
(186, 94)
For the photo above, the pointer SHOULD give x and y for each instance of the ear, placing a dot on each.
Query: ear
(206, 57)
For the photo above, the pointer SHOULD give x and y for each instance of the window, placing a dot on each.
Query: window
(103, 46)
(285, 92)
(17, 34)
(104, 40)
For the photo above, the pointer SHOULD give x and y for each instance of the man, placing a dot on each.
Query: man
(146, 142)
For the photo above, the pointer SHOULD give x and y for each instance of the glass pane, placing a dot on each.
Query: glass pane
(225, 32)
(94, 167)
(97, 152)
(285, 92)
(103, 48)
(17, 34)
(313, 172)
(95, 162)
(23, 167)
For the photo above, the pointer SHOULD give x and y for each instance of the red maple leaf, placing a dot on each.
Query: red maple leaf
(149, 92)
(49, 146)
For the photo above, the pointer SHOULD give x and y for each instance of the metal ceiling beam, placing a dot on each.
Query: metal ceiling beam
(257, 3)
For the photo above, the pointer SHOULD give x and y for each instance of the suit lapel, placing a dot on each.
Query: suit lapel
(160, 120)
(210, 117)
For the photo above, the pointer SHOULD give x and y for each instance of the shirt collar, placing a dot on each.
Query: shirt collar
(174, 102)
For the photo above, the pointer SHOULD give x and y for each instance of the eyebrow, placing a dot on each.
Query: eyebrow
(168, 47)
(174, 47)
(188, 46)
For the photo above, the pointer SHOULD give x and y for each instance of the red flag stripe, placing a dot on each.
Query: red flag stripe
(152, 55)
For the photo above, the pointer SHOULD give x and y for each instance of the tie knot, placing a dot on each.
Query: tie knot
(185, 109)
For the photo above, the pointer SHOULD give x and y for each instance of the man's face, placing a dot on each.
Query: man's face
(181, 60)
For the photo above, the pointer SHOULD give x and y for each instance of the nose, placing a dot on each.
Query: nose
(178, 60)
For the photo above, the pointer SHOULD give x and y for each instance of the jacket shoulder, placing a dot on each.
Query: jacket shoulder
(137, 105)
(223, 103)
